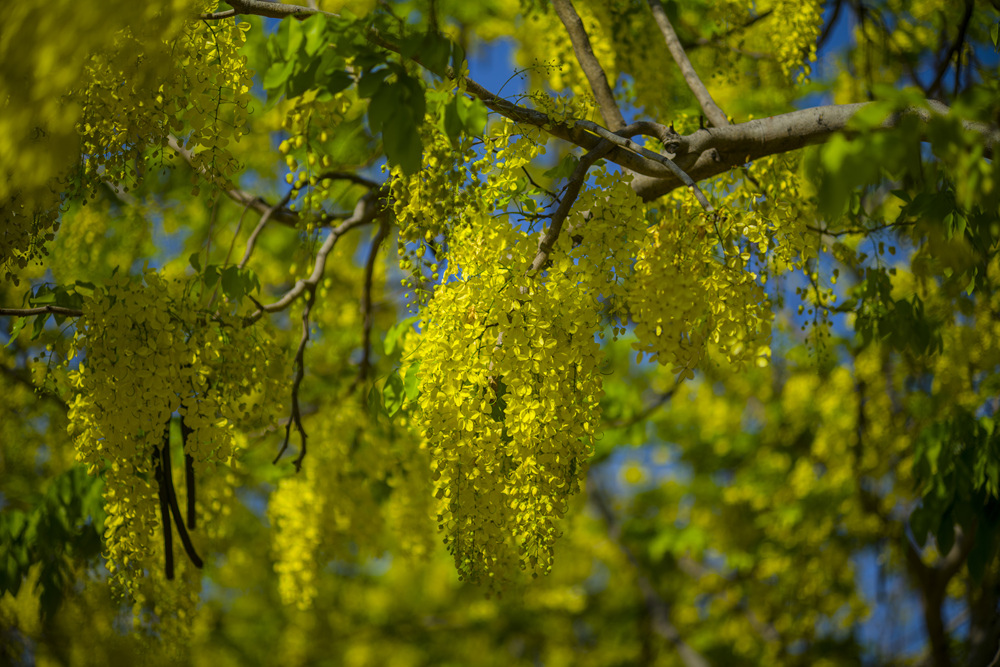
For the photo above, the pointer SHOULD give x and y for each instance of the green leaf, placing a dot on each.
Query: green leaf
(211, 275)
(335, 82)
(398, 329)
(995, 35)
(374, 402)
(295, 37)
(371, 82)
(39, 325)
(315, 31)
(920, 525)
(195, 261)
(277, 75)
(435, 51)
(946, 534)
(402, 142)
(393, 393)
(473, 114)
(384, 102)
(411, 382)
(452, 121)
(15, 329)
(565, 167)
(232, 283)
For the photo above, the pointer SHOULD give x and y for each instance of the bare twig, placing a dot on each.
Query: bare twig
(252, 240)
(284, 215)
(357, 179)
(363, 214)
(712, 111)
(300, 372)
(643, 414)
(955, 50)
(591, 66)
(366, 303)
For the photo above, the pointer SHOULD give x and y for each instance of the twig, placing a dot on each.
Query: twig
(357, 179)
(300, 371)
(366, 303)
(252, 240)
(646, 411)
(532, 181)
(712, 111)
(576, 179)
(630, 145)
(41, 310)
(954, 50)
(364, 213)
(284, 216)
(591, 66)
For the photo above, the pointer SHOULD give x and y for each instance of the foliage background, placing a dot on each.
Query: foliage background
(809, 475)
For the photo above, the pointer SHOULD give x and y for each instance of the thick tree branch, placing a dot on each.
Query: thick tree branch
(272, 10)
(712, 111)
(700, 155)
(706, 153)
(591, 66)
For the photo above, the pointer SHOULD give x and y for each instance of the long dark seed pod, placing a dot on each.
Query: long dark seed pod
(168, 544)
(174, 507)
(188, 475)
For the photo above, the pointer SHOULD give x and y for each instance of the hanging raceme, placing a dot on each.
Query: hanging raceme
(362, 478)
(138, 92)
(148, 355)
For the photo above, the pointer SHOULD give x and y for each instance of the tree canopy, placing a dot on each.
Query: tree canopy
(436, 332)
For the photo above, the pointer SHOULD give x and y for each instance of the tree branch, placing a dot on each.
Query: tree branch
(364, 213)
(705, 153)
(712, 111)
(283, 215)
(572, 191)
(252, 239)
(954, 51)
(591, 66)
(300, 372)
(366, 303)
(41, 310)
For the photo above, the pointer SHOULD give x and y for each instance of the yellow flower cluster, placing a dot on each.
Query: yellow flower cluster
(686, 299)
(510, 386)
(800, 27)
(40, 110)
(316, 139)
(149, 355)
(139, 90)
(358, 478)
